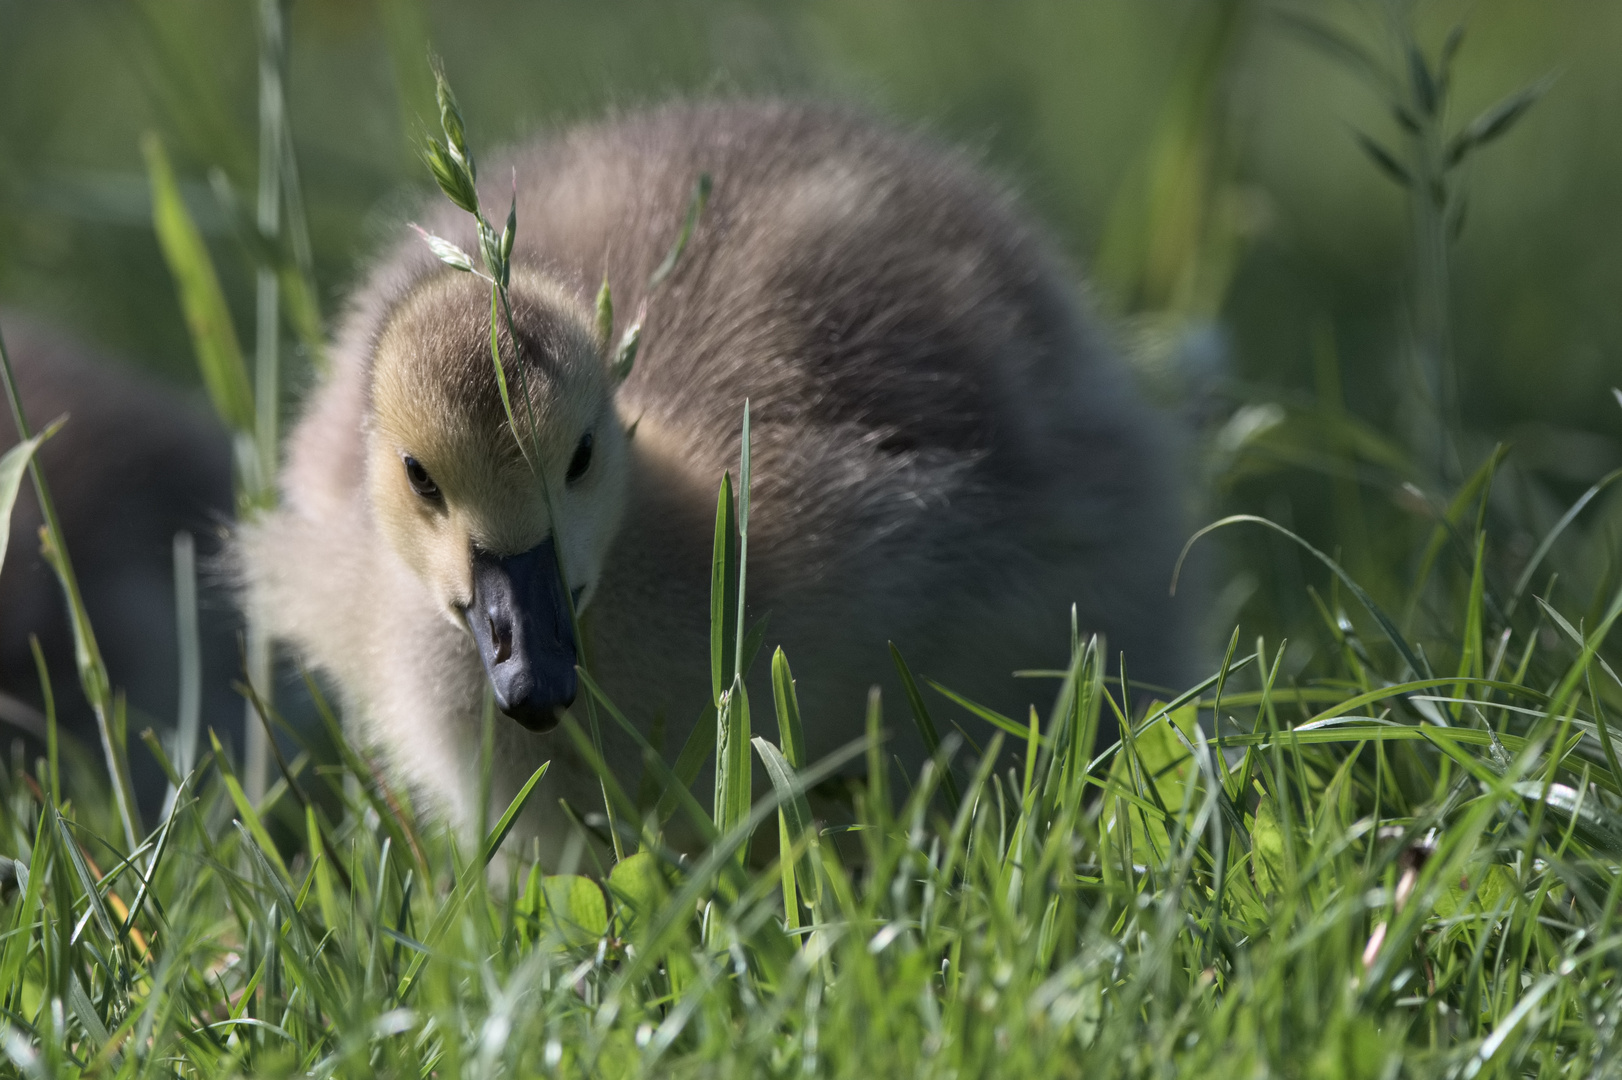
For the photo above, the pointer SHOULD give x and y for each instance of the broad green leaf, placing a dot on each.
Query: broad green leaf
(638, 889)
(573, 906)
(1267, 849)
(1163, 759)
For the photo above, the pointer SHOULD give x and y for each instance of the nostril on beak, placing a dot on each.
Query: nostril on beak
(502, 635)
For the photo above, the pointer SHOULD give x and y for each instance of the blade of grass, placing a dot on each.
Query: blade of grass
(245, 808)
(926, 727)
(723, 590)
(12, 466)
(213, 335)
(1388, 627)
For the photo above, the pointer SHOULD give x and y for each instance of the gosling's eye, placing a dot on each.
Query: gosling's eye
(421, 482)
(581, 460)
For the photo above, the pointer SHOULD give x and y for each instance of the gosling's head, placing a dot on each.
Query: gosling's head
(505, 530)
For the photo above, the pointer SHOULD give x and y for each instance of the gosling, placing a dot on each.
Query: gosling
(945, 454)
(133, 465)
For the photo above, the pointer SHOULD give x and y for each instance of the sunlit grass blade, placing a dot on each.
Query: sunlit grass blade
(700, 878)
(12, 466)
(213, 334)
(733, 771)
(504, 825)
(989, 715)
(795, 818)
(245, 808)
(723, 592)
(790, 733)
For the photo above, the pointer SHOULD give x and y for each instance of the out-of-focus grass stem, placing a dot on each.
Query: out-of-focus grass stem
(267, 349)
(92, 669)
(189, 713)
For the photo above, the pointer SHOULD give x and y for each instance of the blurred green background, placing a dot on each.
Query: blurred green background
(1200, 159)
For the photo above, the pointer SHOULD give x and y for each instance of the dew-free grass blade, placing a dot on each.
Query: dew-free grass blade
(245, 808)
(12, 467)
(492, 842)
(740, 638)
(213, 334)
(674, 786)
(1447, 529)
(1388, 627)
(326, 895)
(991, 716)
(724, 851)
(1330, 41)
(87, 881)
(397, 825)
(189, 640)
(733, 771)
(1552, 535)
(694, 752)
(723, 591)
(795, 814)
(790, 735)
(925, 724)
(459, 893)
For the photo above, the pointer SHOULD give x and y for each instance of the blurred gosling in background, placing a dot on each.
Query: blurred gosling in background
(133, 465)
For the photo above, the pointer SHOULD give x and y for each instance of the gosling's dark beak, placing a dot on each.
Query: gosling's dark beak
(520, 618)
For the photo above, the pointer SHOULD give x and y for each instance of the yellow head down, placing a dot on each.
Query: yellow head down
(481, 512)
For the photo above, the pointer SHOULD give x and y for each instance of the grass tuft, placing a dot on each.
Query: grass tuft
(1400, 860)
(1368, 874)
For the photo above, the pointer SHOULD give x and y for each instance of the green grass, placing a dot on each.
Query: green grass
(1409, 868)
(1399, 857)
